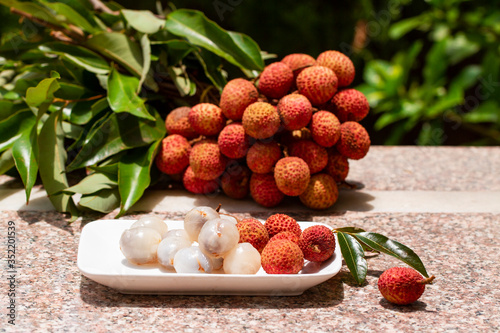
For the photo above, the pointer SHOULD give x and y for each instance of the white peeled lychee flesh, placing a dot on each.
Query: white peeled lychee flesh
(218, 236)
(177, 233)
(242, 259)
(168, 247)
(153, 222)
(139, 245)
(229, 218)
(192, 260)
(196, 218)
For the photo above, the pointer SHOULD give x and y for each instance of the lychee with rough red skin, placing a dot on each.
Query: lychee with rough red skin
(253, 231)
(206, 160)
(292, 175)
(233, 141)
(197, 185)
(291, 236)
(173, 155)
(261, 120)
(313, 154)
(264, 191)
(282, 257)
(340, 64)
(262, 157)
(317, 243)
(236, 96)
(235, 182)
(350, 105)
(321, 193)
(354, 141)
(276, 80)
(402, 285)
(177, 122)
(277, 223)
(295, 111)
(298, 61)
(337, 166)
(325, 128)
(207, 119)
(317, 83)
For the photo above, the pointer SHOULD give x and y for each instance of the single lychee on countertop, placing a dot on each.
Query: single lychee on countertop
(402, 285)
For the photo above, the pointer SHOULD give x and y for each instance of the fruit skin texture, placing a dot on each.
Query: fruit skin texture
(282, 257)
(317, 83)
(295, 111)
(354, 141)
(207, 119)
(292, 175)
(177, 122)
(313, 154)
(236, 96)
(350, 105)
(276, 80)
(317, 243)
(285, 235)
(206, 160)
(262, 157)
(340, 64)
(278, 223)
(321, 193)
(298, 61)
(197, 185)
(325, 128)
(233, 142)
(173, 156)
(254, 232)
(264, 191)
(402, 285)
(261, 120)
(235, 182)
(337, 166)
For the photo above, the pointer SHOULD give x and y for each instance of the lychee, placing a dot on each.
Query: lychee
(354, 141)
(325, 128)
(253, 231)
(291, 236)
(402, 285)
(350, 105)
(264, 191)
(261, 120)
(262, 157)
(313, 154)
(235, 181)
(317, 83)
(207, 119)
(298, 61)
(292, 175)
(197, 185)
(277, 223)
(236, 96)
(276, 80)
(173, 155)
(206, 160)
(282, 257)
(317, 243)
(233, 141)
(295, 111)
(340, 64)
(321, 193)
(177, 122)
(337, 166)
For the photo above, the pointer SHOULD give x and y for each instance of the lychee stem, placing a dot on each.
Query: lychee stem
(218, 208)
(427, 280)
(315, 249)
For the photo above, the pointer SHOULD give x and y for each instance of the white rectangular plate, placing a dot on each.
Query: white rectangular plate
(100, 259)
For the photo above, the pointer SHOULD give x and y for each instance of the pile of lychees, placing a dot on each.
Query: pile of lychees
(289, 134)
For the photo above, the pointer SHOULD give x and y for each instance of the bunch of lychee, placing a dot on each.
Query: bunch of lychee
(290, 133)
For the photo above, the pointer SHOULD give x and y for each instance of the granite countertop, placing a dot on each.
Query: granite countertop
(459, 247)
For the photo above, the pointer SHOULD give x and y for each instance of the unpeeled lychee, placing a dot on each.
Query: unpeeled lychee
(317, 243)
(350, 105)
(292, 175)
(262, 157)
(291, 236)
(261, 120)
(402, 285)
(253, 231)
(177, 122)
(236, 96)
(197, 185)
(337, 166)
(340, 64)
(354, 141)
(235, 182)
(173, 155)
(206, 160)
(321, 193)
(264, 191)
(313, 154)
(276, 80)
(295, 111)
(277, 223)
(298, 61)
(233, 141)
(282, 257)
(207, 119)
(325, 128)
(317, 83)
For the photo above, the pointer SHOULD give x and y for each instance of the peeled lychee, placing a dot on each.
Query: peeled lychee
(325, 128)
(282, 257)
(298, 61)
(295, 111)
(261, 120)
(173, 155)
(236, 96)
(402, 285)
(321, 193)
(233, 141)
(262, 157)
(317, 243)
(206, 160)
(313, 154)
(177, 122)
(197, 185)
(354, 141)
(291, 236)
(276, 80)
(264, 191)
(340, 64)
(317, 83)
(277, 223)
(337, 166)
(235, 182)
(254, 232)
(350, 105)
(292, 175)
(207, 119)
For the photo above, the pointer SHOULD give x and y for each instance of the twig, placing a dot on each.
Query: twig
(101, 7)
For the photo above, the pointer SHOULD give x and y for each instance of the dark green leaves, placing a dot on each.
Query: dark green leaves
(79, 56)
(24, 152)
(354, 256)
(143, 21)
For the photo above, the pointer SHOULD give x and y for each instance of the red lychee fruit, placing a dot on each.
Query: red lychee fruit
(354, 141)
(173, 155)
(321, 193)
(261, 120)
(277, 223)
(207, 119)
(253, 231)
(197, 185)
(276, 80)
(295, 111)
(233, 141)
(313, 154)
(177, 122)
(262, 157)
(291, 236)
(236, 96)
(350, 105)
(402, 285)
(317, 243)
(325, 128)
(340, 64)
(264, 191)
(235, 181)
(206, 160)
(337, 166)
(292, 175)
(298, 61)
(282, 257)
(317, 83)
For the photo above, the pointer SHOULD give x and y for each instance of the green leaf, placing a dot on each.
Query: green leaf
(71, 131)
(401, 28)
(181, 79)
(486, 112)
(23, 151)
(212, 66)
(122, 95)
(103, 201)
(134, 175)
(43, 92)
(81, 113)
(6, 161)
(436, 64)
(176, 50)
(78, 55)
(34, 9)
(93, 183)
(13, 127)
(146, 54)
(193, 25)
(70, 16)
(383, 244)
(354, 256)
(143, 21)
(352, 230)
